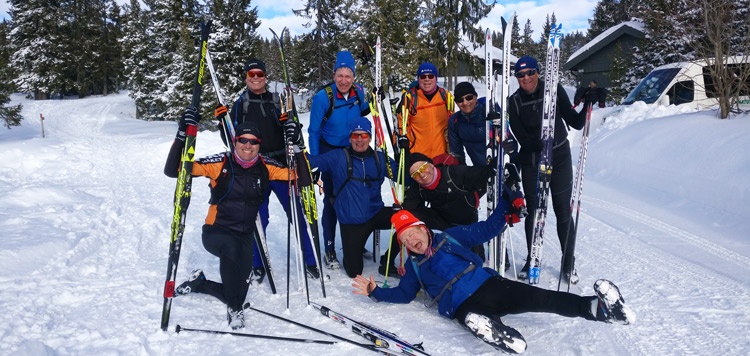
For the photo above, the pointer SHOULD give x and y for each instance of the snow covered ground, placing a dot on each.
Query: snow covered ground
(85, 217)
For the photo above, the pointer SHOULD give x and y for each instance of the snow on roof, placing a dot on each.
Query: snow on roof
(636, 25)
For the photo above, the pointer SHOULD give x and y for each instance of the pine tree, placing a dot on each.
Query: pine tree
(449, 21)
(332, 28)
(136, 48)
(233, 41)
(609, 13)
(397, 23)
(35, 36)
(9, 115)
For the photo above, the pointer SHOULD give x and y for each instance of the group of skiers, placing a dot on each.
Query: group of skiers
(443, 193)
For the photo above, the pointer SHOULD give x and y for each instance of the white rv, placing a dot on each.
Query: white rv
(685, 83)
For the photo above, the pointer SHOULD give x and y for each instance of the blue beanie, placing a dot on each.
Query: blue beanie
(526, 62)
(344, 59)
(360, 124)
(427, 68)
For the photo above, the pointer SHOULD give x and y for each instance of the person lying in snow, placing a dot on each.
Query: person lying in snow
(453, 278)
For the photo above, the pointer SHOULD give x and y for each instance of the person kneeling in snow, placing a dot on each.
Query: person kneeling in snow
(453, 278)
(239, 185)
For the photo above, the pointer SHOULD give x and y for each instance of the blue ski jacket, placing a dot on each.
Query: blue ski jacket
(335, 129)
(358, 198)
(451, 260)
(469, 132)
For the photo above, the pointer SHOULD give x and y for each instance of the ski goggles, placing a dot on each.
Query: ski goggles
(427, 76)
(529, 73)
(420, 170)
(252, 141)
(254, 73)
(362, 135)
(467, 97)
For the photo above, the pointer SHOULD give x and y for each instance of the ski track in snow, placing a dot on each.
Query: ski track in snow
(86, 216)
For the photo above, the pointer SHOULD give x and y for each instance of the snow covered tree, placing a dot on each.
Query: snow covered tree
(447, 22)
(332, 28)
(167, 54)
(397, 23)
(136, 48)
(9, 115)
(233, 41)
(36, 36)
(609, 13)
(666, 39)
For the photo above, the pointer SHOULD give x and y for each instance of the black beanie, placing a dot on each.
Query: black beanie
(247, 127)
(463, 89)
(414, 158)
(255, 64)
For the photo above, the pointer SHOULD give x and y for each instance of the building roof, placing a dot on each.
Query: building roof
(632, 28)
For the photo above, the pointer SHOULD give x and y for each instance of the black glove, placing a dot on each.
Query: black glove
(220, 111)
(292, 130)
(402, 141)
(510, 146)
(379, 91)
(493, 115)
(190, 117)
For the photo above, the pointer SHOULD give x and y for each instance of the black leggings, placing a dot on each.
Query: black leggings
(561, 185)
(235, 253)
(498, 297)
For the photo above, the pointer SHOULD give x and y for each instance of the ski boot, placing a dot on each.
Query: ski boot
(610, 306)
(192, 284)
(498, 335)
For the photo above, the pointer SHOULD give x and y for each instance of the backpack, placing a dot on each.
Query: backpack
(328, 88)
(411, 97)
(245, 98)
(350, 169)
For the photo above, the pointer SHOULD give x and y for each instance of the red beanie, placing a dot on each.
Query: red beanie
(402, 220)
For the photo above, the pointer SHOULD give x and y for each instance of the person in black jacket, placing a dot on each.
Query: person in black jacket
(239, 181)
(263, 108)
(525, 109)
(591, 95)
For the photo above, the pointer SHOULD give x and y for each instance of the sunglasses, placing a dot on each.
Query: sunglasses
(468, 97)
(529, 73)
(362, 135)
(252, 141)
(420, 170)
(427, 76)
(255, 74)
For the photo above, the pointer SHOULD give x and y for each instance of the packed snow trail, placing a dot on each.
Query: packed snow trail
(85, 217)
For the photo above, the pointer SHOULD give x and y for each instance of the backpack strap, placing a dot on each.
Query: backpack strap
(350, 169)
(448, 286)
(246, 103)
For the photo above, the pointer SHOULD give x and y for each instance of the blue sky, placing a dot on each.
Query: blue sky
(573, 14)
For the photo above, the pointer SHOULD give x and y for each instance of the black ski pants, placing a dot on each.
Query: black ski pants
(561, 186)
(354, 237)
(235, 253)
(498, 297)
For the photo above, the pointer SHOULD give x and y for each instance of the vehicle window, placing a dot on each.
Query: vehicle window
(651, 87)
(682, 92)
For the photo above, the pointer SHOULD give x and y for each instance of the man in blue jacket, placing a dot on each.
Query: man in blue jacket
(357, 173)
(332, 109)
(467, 127)
(453, 278)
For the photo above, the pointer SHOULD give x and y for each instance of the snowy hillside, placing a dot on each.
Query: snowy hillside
(85, 216)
